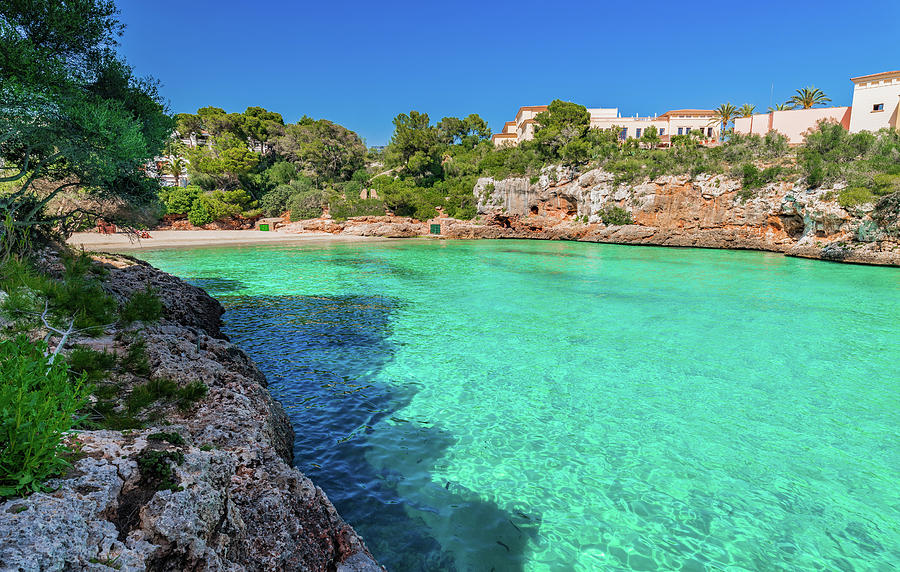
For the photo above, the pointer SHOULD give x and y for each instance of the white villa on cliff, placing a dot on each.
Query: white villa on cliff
(675, 122)
(876, 105)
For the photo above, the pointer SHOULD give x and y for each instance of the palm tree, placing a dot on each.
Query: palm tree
(746, 110)
(781, 107)
(808, 97)
(723, 115)
(175, 166)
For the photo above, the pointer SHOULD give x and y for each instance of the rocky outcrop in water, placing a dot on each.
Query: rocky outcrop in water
(207, 486)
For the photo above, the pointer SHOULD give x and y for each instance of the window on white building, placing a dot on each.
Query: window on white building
(878, 107)
(709, 131)
(662, 131)
(681, 130)
(637, 132)
(623, 133)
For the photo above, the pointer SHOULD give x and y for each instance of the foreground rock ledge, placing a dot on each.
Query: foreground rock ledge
(238, 504)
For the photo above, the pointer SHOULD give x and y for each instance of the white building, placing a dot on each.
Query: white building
(876, 105)
(675, 122)
(876, 102)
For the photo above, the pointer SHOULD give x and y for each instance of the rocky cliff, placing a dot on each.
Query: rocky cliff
(205, 486)
(703, 211)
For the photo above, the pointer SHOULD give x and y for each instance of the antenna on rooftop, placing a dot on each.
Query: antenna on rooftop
(772, 95)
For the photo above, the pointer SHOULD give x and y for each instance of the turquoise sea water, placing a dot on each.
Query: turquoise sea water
(512, 405)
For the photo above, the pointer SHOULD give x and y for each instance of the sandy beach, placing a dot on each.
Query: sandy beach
(200, 238)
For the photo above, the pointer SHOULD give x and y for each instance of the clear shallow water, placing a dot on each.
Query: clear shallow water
(516, 405)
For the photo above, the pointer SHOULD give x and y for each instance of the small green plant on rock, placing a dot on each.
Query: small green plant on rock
(38, 406)
(95, 365)
(615, 216)
(150, 392)
(191, 393)
(135, 359)
(157, 468)
(855, 196)
(143, 306)
(108, 561)
(173, 438)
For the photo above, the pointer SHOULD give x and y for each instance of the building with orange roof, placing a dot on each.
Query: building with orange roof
(522, 129)
(876, 105)
(876, 102)
(675, 122)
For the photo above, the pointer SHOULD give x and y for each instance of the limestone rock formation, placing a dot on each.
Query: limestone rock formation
(210, 487)
(703, 211)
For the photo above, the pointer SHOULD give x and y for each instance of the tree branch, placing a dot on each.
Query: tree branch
(43, 202)
(65, 335)
(20, 173)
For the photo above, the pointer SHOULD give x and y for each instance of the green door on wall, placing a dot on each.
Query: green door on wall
(435, 229)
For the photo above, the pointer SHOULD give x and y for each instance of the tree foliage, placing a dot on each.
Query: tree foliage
(324, 150)
(808, 97)
(73, 118)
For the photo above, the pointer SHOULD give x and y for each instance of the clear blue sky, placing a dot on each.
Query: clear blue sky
(360, 64)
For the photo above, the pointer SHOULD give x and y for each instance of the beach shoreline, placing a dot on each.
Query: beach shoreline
(122, 242)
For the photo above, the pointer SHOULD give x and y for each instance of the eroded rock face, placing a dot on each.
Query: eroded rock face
(704, 211)
(235, 502)
(184, 304)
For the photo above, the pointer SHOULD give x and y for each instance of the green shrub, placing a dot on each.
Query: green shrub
(135, 359)
(854, 197)
(342, 209)
(754, 178)
(151, 392)
(85, 300)
(307, 204)
(275, 201)
(191, 393)
(77, 295)
(157, 470)
(173, 438)
(199, 213)
(885, 184)
(143, 306)
(37, 407)
(93, 364)
(615, 216)
(166, 390)
(179, 200)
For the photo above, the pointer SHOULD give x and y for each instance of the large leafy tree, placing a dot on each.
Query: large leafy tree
(808, 97)
(188, 125)
(563, 124)
(325, 150)
(723, 115)
(226, 158)
(73, 117)
(467, 132)
(261, 127)
(415, 141)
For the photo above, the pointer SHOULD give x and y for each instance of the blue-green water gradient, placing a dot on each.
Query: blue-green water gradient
(515, 405)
